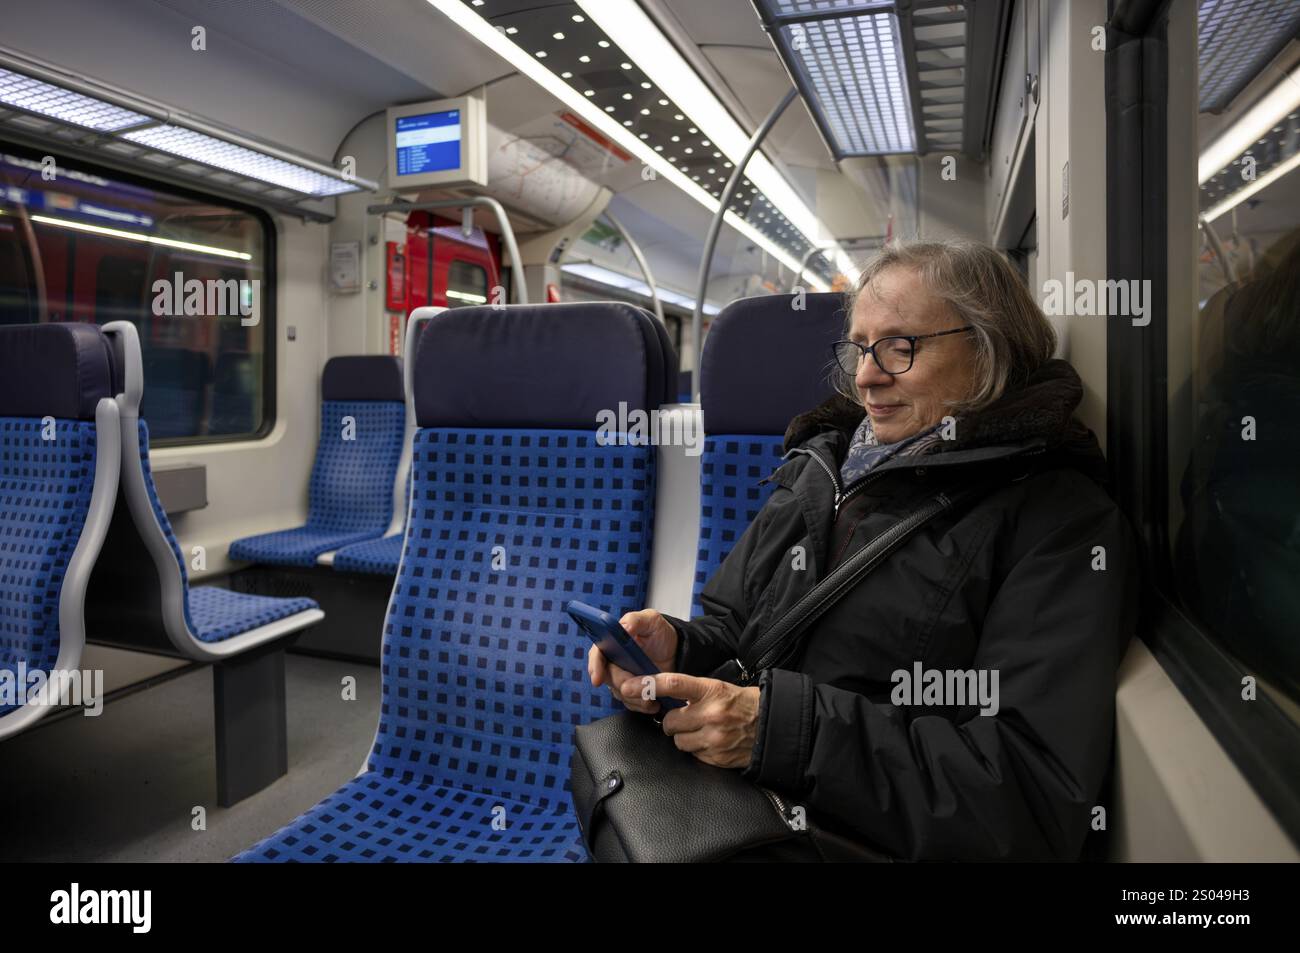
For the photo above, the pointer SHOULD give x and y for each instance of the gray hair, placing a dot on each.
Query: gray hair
(1012, 337)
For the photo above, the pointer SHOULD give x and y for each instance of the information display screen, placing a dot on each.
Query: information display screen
(429, 142)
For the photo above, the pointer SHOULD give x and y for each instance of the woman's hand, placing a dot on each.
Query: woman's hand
(720, 722)
(657, 638)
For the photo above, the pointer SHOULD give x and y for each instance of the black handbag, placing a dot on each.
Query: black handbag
(638, 798)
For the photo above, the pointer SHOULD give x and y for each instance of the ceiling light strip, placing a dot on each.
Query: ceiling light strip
(32, 87)
(624, 22)
(480, 29)
(1263, 182)
(29, 94)
(1282, 99)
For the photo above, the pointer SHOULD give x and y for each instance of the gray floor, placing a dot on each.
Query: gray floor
(123, 786)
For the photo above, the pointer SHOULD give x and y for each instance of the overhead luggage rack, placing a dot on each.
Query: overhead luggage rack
(44, 107)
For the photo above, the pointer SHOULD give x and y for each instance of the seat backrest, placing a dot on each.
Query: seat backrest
(362, 422)
(402, 488)
(59, 456)
(765, 361)
(519, 503)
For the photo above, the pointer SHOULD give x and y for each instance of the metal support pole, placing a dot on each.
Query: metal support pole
(715, 227)
(507, 233)
(808, 256)
(635, 249)
(1213, 237)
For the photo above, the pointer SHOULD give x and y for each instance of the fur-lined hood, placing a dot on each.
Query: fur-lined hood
(1040, 410)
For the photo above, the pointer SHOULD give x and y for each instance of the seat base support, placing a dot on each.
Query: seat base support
(251, 722)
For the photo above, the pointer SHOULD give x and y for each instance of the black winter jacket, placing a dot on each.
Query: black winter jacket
(1011, 583)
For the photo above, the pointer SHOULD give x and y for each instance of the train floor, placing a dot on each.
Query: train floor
(125, 785)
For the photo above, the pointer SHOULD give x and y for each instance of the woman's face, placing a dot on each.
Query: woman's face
(897, 303)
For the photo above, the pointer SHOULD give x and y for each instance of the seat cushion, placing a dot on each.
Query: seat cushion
(376, 556)
(293, 547)
(213, 615)
(218, 614)
(380, 818)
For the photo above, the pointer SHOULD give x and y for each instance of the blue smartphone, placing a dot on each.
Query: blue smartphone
(616, 644)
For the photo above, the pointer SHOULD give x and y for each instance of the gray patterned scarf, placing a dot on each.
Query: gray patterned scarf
(865, 452)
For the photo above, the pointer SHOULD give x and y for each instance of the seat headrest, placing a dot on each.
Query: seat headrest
(56, 370)
(765, 362)
(546, 365)
(670, 360)
(362, 377)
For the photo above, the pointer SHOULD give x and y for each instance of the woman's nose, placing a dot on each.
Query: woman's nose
(870, 375)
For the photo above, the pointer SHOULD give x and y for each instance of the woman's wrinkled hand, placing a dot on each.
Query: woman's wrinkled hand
(657, 638)
(719, 723)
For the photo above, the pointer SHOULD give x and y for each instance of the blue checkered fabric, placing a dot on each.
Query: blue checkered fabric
(351, 496)
(212, 614)
(45, 490)
(375, 556)
(730, 497)
(217, 614)
(378, 557)
(484, 675)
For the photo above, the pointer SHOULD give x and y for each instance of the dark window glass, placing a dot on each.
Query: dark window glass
(1234, 360)
(189, 272)
(466, 284)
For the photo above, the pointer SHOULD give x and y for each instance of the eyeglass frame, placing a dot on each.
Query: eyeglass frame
(866, 349)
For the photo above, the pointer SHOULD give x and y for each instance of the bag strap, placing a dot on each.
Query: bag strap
(782, 638)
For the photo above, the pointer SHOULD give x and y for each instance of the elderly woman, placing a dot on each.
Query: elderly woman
(947, 377)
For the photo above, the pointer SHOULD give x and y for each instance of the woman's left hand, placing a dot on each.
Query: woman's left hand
(720, 723)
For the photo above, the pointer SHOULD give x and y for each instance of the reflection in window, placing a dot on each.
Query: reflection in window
(1237, 549)
(187, 272)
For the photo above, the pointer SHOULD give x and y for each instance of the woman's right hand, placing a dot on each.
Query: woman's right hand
(657, 638)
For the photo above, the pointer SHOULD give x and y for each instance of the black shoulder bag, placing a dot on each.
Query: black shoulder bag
(638, 798)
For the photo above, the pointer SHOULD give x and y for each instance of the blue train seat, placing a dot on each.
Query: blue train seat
(350, 498)
(153, 607)
(519, 504)
(60, 456)
(381, 556)
(765, 361)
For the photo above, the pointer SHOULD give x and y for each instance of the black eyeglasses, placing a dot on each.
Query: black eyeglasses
(893, 355)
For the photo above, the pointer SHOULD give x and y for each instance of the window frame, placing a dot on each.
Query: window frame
(1260, 738)
(269, 280)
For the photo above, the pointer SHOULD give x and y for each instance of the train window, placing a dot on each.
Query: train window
(1203, 393)
(190, 272)
(467, 284)
(18, 303)
(1234, 347)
